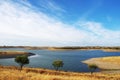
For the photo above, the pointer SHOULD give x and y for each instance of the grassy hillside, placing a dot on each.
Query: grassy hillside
(12, 73)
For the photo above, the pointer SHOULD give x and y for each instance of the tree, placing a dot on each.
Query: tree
(22, 60)
(92, 67)
(57, 64)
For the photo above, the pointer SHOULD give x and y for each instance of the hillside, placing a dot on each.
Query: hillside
(12, 73)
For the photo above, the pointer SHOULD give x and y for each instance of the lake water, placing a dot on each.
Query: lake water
(71, 58)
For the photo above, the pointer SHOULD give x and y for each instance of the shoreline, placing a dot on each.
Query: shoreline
(105, 63)
(13, 54)
(104, 50)
(53, 48)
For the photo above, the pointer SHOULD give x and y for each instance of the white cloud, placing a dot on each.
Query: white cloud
(103, 36)
(21, 25)
(51, 5)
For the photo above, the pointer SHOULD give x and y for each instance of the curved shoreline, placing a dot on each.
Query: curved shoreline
(13, 54)
(105, 63)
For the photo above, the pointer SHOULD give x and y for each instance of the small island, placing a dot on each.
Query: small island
(13, 54)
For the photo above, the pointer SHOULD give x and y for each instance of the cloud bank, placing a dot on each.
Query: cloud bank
(22, 24)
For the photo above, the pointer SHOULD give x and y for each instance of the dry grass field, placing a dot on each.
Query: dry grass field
(12, 73)
(105, 62)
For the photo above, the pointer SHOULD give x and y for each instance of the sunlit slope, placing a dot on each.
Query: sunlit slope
(105, 62)
(12, 73)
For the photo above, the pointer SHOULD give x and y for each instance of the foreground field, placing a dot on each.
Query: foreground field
(12, 73)
(105, 62)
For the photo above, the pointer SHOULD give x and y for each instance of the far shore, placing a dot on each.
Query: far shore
(112, 49)
(13, 54)
(105, 63)
(103, 48)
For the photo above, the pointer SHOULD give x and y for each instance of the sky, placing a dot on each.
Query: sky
(60, 22)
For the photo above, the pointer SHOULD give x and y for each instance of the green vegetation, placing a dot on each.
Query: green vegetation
(57, 64)
(22, 60)
(92, 67)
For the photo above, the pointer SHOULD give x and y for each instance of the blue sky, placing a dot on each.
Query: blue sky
(71, 11)
(60, 22)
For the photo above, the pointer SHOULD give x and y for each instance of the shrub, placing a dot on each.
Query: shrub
(57, 64)
(92, 67)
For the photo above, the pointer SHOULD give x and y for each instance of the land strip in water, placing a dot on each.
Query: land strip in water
(13, 54)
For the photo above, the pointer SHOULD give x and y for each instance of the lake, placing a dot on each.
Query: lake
(71, 58)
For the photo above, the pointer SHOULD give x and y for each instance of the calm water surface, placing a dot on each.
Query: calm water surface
(71, 58)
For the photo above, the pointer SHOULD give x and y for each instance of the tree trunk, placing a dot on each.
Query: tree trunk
(91, 72)
(21, 65)
(56, 68)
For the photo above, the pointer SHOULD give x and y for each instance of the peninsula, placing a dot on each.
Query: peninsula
(13, 54)
(105, 63)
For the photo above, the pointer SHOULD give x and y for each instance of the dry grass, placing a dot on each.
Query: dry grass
(105, 62)
(12, 52)
(114, 59)
(12, 73)
(111, 50)
(105, 50)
